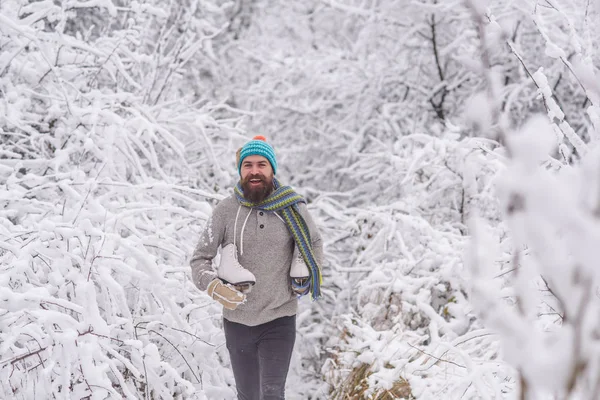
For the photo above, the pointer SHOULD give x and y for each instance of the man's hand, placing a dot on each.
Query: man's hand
(225, 294)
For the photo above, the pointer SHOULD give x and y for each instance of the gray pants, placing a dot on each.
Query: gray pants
(260, 357)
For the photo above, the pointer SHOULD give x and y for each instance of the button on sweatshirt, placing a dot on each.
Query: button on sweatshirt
(265, 247)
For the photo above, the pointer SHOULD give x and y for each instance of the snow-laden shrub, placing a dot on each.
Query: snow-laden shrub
(94, 292)
(472, 356)
(97, 214)
(543, 300)
(402, 303)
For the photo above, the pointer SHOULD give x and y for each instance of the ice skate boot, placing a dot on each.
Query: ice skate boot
(231, 271)
(299, 274)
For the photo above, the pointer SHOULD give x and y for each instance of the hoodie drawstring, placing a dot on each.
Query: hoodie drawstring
(235, 227)
(243, 228)
(242, 234)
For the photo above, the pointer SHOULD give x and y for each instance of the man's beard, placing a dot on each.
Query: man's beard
(257, 194)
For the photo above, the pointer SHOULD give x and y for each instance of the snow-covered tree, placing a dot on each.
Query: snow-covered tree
(542, 300)
(99, 211)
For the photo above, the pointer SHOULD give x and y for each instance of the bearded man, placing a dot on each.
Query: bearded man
(268, 243)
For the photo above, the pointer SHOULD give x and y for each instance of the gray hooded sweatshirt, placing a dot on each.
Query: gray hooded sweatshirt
(264, 246)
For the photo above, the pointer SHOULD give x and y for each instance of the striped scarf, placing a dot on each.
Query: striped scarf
(284, 201)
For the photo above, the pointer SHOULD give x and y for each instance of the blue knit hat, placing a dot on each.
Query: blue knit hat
(258, 146)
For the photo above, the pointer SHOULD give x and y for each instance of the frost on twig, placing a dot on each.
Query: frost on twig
(544, 310)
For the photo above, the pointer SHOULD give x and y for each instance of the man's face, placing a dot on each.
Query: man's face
(257, 178)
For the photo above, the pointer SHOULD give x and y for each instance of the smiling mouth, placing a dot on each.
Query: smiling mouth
(255, 181)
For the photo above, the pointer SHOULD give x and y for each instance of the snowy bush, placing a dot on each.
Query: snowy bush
(98, 207)
(402, 300)
(439, 323)
(543, 300)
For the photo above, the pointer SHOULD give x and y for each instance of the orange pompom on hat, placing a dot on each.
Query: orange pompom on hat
(257, 146)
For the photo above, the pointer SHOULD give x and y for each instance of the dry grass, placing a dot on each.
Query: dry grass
(356, 385)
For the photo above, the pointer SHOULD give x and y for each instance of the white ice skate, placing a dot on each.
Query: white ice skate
(231, 271)
(299, 273)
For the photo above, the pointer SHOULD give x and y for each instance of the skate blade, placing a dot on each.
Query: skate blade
(300, 279)
(300, 283)
(246, 283)
(244, 287)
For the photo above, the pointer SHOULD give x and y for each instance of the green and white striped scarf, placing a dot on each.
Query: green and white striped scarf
(284, 201)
